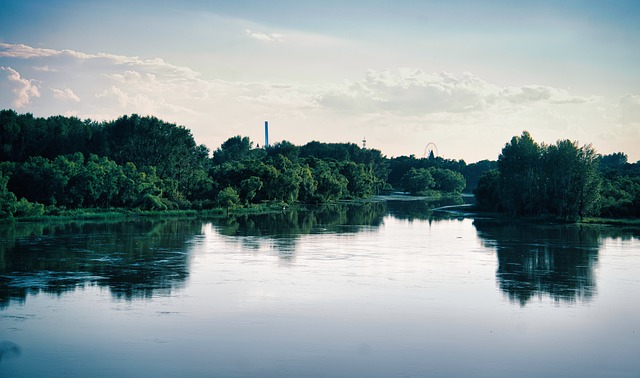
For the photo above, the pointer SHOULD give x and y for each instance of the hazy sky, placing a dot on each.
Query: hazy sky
(465, 75)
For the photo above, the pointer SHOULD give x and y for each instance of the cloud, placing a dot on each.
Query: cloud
(273, 37)
(24, 89)
(139, 102)
(399, 110)
(415, 92)
(538, 93)
(65, 94)
(44, 69)
(23, 51)
(19, 51)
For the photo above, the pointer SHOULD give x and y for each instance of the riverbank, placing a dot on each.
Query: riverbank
(466, 209)
(128, 214)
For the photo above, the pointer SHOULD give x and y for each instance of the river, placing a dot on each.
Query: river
(382, 289)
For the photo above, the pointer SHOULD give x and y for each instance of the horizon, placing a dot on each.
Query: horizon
(256, 144)
(464, 76)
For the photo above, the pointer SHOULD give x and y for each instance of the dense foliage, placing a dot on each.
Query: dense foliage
(49, 164)
(145, 163)
(563, 180)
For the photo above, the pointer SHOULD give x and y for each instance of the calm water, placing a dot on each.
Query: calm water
(376, 290)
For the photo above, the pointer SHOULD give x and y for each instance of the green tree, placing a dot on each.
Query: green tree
(620, 196)
(520, 167)
(331, 185)
(150, 142)
(235, 149)
(572, 180)
(284, 148)
(487, 191)
(588, 190)
(249, 188)
(228, 198)
(447, 181)
(308, 185)
(613, 162)
(418, 181)
(8, 200)
(360, 179)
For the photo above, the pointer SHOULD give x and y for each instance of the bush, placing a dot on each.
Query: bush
(25, 208)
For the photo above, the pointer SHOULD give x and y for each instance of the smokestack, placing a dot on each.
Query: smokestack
(266, 134)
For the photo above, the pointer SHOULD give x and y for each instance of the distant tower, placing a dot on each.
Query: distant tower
(364, 142)
(266, 134)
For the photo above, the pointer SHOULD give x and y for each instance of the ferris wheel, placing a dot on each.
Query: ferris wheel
(431, 148)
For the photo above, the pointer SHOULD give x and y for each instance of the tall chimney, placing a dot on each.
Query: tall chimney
(266, 134)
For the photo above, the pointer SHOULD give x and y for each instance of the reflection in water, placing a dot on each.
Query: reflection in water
(290, 223)
(143, 258)
(537, 260)
(286, 227)
(411, 209)
(132, 259)
(9, 349)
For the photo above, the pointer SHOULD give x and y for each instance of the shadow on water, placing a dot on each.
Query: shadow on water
(9, 349)
(285, 228)
(132, 259)
(140, 259)
(537, 260)
(409, 208)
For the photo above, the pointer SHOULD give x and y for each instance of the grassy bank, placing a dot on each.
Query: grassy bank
(130, 214)
(613, 221)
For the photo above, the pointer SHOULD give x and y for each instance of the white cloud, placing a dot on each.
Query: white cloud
(44, 69)
(23, 51)
(412, 91)
(136, 103)
(65, 94)
(24, 89)
(398, 110)
(20, 51)
(538, 93)
(273, 37)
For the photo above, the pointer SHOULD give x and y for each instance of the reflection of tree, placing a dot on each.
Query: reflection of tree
(285, 227)
(534, 260)
(292, 223)
(133, 259)
(411, 209)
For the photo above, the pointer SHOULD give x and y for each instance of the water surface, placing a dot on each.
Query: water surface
(370, 290)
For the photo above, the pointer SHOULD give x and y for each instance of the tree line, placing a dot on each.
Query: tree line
(563, 180)
(56, 163)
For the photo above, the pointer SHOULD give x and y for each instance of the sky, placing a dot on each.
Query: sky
(464, 75)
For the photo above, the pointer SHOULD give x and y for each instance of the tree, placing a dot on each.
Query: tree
(519, 166)
(331, 184)
(447, 181)
(228, 198)
(561, 180)
(360, 179)
(234, 149)
(474, 171)
(588, 193)
(249, 187)
(418, 181)
(572, 180)
(613, 162)
(308, 185)
(284, 148)
(150, 142)
(8, 200)
(487, 191)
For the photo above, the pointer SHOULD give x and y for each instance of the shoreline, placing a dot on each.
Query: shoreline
(465, 210)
